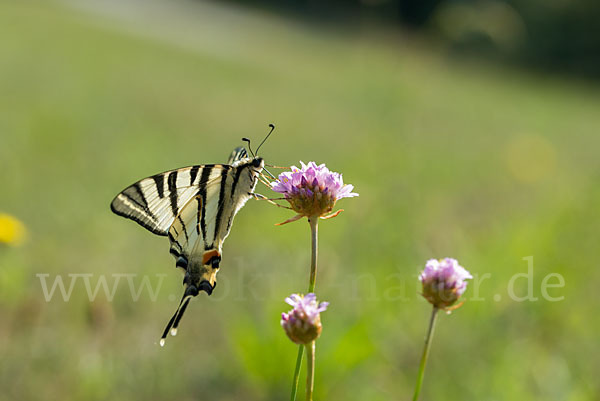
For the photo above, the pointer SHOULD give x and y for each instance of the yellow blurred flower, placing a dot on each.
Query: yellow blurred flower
(12, 230)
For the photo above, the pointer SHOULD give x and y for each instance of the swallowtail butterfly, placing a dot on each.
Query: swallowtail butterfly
(195, 207)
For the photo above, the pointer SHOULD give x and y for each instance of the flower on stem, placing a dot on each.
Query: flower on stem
(312, 190)
(303, 323)
(444, 282)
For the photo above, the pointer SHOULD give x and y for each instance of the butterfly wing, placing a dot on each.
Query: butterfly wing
(155, 202)
(194, 206)
(237, 154)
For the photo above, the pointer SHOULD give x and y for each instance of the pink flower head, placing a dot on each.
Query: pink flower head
(303, 323)
(312, 190)
(444, 281)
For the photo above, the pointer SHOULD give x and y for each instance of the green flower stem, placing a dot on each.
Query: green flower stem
(314, 234)
(297, 372)
(425, 353)
(310, 374)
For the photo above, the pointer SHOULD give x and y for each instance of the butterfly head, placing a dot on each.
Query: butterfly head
(258, 164)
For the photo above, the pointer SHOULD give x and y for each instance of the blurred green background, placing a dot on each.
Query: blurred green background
(450, 156)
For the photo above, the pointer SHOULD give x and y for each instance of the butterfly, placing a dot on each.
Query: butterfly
(194, 207)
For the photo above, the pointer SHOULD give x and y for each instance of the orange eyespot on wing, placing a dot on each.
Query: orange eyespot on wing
(209, 255)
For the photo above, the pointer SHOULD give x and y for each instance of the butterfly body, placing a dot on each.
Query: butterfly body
(210, 224)
(194, 207)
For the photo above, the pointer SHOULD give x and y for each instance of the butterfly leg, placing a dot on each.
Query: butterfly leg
(262, 197)
(265, 181)
(283, 168)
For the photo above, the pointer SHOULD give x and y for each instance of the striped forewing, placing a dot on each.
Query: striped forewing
(156, 201)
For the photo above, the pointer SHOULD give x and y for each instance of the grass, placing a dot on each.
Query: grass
(450, 159)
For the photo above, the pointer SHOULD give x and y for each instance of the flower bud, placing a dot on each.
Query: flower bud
(303, 323)
(443, 282)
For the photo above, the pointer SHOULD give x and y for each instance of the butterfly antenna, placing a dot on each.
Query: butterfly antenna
(249, 148)
(267, 137)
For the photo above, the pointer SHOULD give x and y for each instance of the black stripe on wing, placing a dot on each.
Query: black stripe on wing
(172, 181)
(159, 181)
(193, 174)
(132, 204)
(221, 201)
(202, 193)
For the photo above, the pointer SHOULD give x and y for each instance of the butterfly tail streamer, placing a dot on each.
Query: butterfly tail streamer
(167, 329)
(180, 315)
(174, 321)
